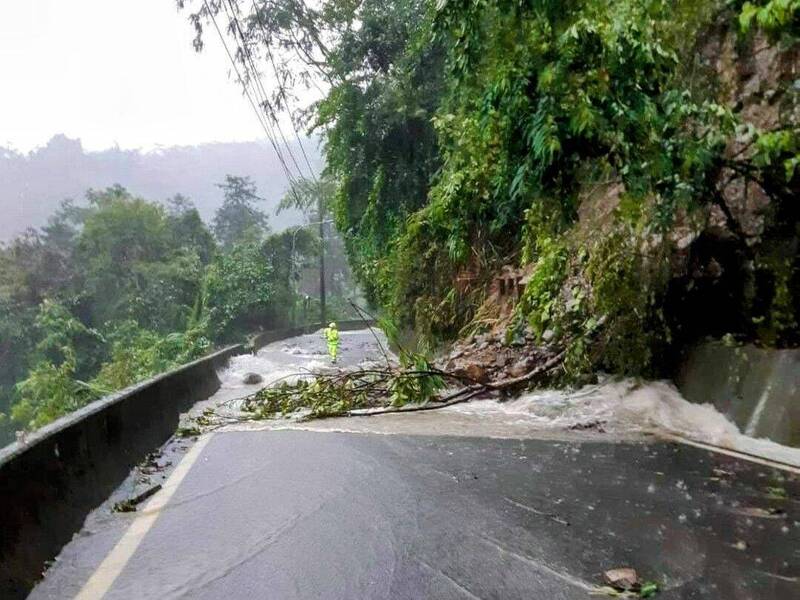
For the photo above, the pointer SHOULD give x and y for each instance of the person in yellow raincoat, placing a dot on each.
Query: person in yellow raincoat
(332, 337)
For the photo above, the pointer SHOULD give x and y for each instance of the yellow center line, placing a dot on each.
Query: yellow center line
(108, 571)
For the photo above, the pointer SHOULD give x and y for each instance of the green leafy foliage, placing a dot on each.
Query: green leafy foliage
(50, 391)
(52, 388)
(541, 100)
(541, 298)
(417, 382)
(137, 354)
(238, 289)
(538, 103)
(133, 265)
(117, 291)
(460, 136)
(319, 398)
(380, 143)
(776, 17)
(329, 395)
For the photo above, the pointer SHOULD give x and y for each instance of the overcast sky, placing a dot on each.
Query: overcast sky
(113, 72)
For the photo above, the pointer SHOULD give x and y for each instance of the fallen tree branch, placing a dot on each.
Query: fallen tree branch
(368, 392)
(462, 395)
(130, 504)
(466, 394)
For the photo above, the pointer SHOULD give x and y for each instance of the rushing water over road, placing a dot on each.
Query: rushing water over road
(617, 409)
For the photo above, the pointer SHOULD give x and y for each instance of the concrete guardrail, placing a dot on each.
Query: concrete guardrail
(52, 481)
(756, 388)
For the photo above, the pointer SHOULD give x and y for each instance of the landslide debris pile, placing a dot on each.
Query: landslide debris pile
(487, 358)
(479, 366)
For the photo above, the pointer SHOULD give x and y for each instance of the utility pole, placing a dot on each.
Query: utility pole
(321, 259)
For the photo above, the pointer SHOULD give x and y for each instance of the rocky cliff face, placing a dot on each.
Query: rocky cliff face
(734, 268)
(761, 79)
(727, 265)
(758, 235)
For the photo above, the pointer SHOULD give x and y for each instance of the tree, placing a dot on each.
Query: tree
(16, 346)
(137, 354)
(316, 198)
(312, 197)
(464, 136)
(238, 218)
(136, 263)
(239, 291)
(383, 74)
(111, 293)
(288, 254)
(53, 388)
(188, 229)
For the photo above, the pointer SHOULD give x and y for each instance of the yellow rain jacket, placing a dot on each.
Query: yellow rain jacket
(332, 337)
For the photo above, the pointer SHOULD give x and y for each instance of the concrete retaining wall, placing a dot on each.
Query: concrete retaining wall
(63, 471)
(758, 389)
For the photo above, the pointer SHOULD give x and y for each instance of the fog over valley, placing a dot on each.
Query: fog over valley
(34, 183)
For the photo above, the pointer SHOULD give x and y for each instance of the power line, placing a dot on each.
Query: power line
(259, 115)
(282, 89)
(270, 135)
(256, 77)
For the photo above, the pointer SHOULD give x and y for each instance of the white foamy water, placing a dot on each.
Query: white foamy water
(628, 406)
(289, 360)
(232, 376)
(619, 408)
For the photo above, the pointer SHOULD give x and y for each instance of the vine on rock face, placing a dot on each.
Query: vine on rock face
(592, 142)
(547, 101)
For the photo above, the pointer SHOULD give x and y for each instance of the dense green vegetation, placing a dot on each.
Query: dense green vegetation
(118, 290)
(638, 158)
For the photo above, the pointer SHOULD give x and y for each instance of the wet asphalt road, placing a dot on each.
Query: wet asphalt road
(290, 514)
(334, 515)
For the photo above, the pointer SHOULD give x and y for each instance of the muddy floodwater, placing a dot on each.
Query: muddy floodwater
(613, 409)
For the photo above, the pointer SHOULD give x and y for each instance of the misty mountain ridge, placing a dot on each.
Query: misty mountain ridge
(34, 184)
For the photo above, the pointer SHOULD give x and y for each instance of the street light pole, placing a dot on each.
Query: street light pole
(321, 262)
(321, 223)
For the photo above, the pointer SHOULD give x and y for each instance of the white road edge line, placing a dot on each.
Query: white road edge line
(760, 460)
(108, 571)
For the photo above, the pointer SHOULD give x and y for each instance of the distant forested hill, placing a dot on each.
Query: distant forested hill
(32, 185)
